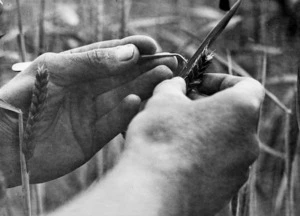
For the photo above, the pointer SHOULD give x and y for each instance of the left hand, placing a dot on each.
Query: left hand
(88, 104)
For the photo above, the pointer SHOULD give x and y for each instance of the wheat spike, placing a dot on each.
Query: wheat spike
(38, 99)
(195, 76)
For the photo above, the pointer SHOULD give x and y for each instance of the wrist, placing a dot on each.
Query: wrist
(190, 182)
(147, 189)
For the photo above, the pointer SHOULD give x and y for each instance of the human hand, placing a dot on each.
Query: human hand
(203, 147)
(88, 104)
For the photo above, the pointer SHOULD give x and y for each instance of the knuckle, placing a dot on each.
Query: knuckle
(249, 105)
(249, 100)
(104, 58)
(94, 56)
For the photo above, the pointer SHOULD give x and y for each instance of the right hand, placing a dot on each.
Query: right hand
(207, 144)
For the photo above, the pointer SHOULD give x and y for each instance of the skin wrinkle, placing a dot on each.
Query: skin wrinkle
(99, 57)
(82, 137)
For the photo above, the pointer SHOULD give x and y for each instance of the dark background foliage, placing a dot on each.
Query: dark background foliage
(262, 41)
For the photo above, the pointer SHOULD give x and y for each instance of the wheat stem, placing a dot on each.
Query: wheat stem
(42, 27)
(38, 189)
(229, 59)
(100, 20)
(288, 166)
(125, 8)
(21, 34)
(24, 169)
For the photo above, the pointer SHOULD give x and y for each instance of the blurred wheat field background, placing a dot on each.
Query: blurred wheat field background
(261, 41)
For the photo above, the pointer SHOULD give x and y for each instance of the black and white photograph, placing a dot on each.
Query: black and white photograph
(149, 108)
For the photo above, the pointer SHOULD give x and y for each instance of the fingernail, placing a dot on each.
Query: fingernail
(125, 53)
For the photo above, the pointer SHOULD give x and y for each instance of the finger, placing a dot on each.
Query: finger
(243, 88)
(68, 69)
(170, 62)
(176, 85)
(145, 44)
(213, 82)
(242, 96)
(117, 120)
(142, 86)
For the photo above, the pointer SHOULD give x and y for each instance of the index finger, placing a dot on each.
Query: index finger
(243, 89)
(214, 82)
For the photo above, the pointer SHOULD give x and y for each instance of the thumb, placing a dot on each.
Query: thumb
(70, 68)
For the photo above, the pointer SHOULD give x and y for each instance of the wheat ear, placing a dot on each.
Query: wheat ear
(37, 105)
(195, 76)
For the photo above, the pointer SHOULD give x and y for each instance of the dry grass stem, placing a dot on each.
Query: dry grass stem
(271, 151)
(38, 189)
(24, 169)
(100, 20)
(229, 59)
(253, 200)
(21, 34)
(298, 99)
(124, 8)
(264, 70)
(280, 196)
(288, 166)
(42, 27)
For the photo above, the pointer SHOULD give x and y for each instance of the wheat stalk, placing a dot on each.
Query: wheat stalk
(1, 7)
(24, 170)
(39, 95)
(21, 33)
(41, 24)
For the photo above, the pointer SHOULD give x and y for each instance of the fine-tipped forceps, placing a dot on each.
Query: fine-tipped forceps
(188, 65)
